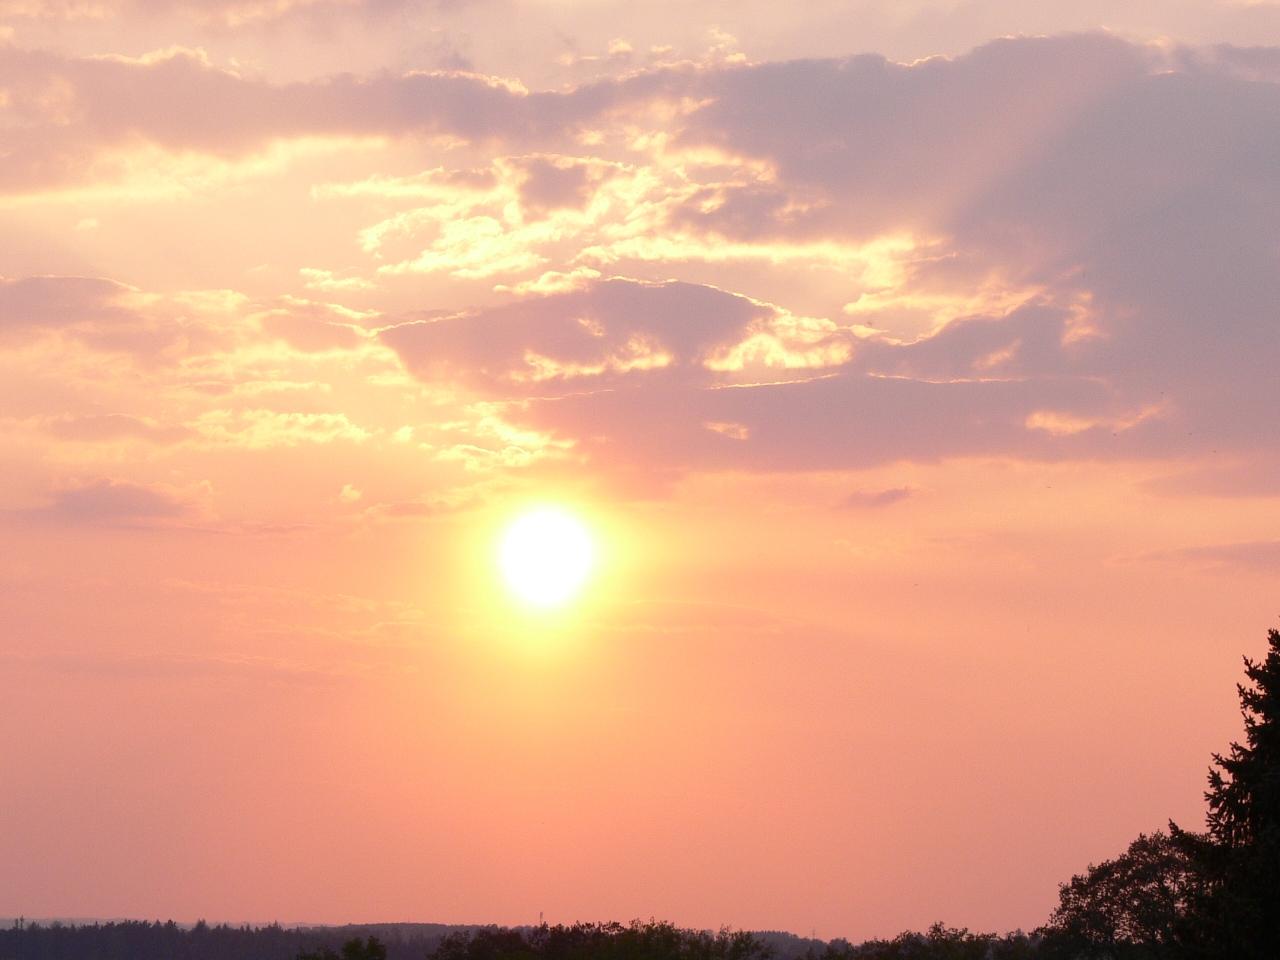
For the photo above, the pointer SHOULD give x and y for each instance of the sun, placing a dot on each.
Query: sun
(546, 557)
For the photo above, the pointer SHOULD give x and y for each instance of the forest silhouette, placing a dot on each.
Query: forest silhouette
(1172, 895)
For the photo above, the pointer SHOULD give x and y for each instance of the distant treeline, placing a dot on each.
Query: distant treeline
(1180, 895)
(663, 941)
(140, 940)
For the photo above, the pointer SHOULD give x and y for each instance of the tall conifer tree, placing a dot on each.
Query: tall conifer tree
(1242, 910)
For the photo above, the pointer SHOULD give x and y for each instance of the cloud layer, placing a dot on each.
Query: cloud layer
(1084, 263)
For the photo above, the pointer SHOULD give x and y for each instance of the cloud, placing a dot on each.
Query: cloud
(1076, 250)
(109, 502)
(69, 119)
(49, 303)
(1254, 476)
(442, 504)
(259, 429)
(864, 499)
(1257, 556)
(171, 667)
(507, 218)
(872, 144)
(604, 333)
(177, 329)
(550, 183)
(836, 421)
(1246, 63)
(943, 132)
(312, 327)
(1114, 203)
(688, 376)
(115, 426)
(107, 316)
(1090, 169)
(320, 279)
(232, 14)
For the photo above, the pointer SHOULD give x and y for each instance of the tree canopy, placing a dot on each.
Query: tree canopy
(602, 941)
(1200, 896)
(1241, 858)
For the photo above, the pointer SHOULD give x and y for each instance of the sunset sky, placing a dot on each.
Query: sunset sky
(912, 365)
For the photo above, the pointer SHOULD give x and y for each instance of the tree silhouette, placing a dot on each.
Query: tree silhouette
(939, 942)
(602, 941)
(1239, 914)
(370, 948)
(1211, 895)
(1133, 906)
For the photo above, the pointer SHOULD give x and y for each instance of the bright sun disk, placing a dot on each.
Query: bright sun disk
(546, 556)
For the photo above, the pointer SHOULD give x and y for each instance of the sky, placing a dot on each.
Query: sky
(911, 364)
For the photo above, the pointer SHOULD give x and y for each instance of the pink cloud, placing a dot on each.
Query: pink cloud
(115, 426)
(312, 328)
(1254, 556)
(230, 13)
(1135, 202)
(1135, 196)
(43, 303)
(608, 331)
(109, 502)
(64, 114)
(882, 404)
(874, 499)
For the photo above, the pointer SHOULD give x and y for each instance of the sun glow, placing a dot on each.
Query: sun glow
(546, 557)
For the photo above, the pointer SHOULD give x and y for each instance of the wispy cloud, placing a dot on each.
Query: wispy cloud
(874, 499)
(108, 502)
